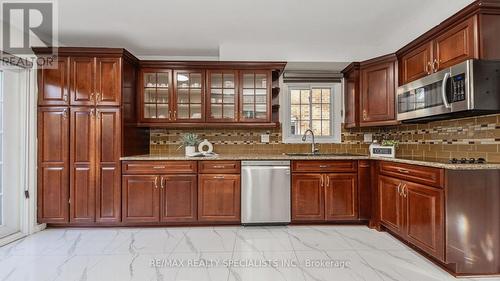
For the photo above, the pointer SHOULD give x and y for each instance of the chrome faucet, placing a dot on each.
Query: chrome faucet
(314, 150)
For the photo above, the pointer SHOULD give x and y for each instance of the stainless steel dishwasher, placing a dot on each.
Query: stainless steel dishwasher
(265, 192)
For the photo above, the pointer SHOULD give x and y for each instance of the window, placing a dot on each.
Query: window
(312, 106)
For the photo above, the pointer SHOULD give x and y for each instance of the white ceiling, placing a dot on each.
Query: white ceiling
(290, 30)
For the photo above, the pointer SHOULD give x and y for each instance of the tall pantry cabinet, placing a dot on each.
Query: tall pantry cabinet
(80, 115)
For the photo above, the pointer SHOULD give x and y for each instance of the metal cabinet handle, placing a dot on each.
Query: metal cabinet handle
(324, 166)
(65, 113)
(161, 182)
(321, 181)
(219, 177)
(428, 68)
(435, 65)
(365, 115)
(98, 97)
(404, 171)
(65, 97)
(92, 113)
(156, 182)
(92, 97)
(159, 167)
(405, 191)
(399, 188)
(219, 167)
(327, 181)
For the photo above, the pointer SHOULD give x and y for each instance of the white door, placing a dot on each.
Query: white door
(12, 149)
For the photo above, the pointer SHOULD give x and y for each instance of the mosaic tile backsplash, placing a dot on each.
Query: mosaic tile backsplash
(460, 138)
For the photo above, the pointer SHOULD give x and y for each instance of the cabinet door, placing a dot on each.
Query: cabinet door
(108, 168)
(219, 198)
(308, 199)
(141, 202)
(456, 44)
(189, 95)
(341, 197)
(352, 100)
(416, 64)
(425, 218)
(53, 165)
(155, 95)
(108, 81)
(82, 82)
(82, 165)
(222, 97)
(255, 98)
(377, 94)
(53, 83)
(178, 198)
(391, 204)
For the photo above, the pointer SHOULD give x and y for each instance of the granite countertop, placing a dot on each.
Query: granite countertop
(429, 162)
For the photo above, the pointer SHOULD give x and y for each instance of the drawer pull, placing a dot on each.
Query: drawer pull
(159, 167)
(219, 167)
(219, 177)
(403, 171)
(324, 166)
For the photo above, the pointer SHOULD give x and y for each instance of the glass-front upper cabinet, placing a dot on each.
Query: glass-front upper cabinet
(222, 98)
(256, 96)
(156, 95)
(189, 86)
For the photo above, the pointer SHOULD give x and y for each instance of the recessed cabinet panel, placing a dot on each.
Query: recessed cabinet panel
(308, 202)
(341, 197)
(416, 64)
(108, 81)
(178, 198)
(53, 84)
(391, 204)
(141, 202)
(82, 81)
(219, 197)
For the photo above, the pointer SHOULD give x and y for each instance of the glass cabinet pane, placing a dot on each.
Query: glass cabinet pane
(156, 95)
(222, 102)
(189, 94)
(255, 98)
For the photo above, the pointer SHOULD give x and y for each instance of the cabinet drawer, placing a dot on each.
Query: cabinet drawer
(219, 167)
(324, 166)
(419, 174)
(159, 167)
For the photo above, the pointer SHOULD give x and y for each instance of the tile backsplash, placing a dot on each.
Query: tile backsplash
(468, 137)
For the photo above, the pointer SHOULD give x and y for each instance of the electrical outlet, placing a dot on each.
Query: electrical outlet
(368, 138)
(264, 138)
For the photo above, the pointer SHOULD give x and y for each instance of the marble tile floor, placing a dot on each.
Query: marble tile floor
(236, 253)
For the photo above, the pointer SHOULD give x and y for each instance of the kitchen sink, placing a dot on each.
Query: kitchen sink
(321, 154)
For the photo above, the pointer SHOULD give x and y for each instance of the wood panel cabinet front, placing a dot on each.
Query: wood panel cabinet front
(178, 198)
(141, 202)
(53, 83)
(219, 198)
(341, 197)
(82, 163)
(53, 165)
(108, 81)
(82, 80)
(308, 200)
(416, 64)
(424, 208)
(324, 166)
(108, 168)
(222, 95)
(351, 96)
(456, 44)
(189, 93)
(377, 100)
(391, 204)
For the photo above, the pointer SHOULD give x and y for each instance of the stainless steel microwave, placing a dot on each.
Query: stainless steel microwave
(467, 89)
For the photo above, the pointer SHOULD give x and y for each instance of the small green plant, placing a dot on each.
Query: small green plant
(189, 139)
(394, 143)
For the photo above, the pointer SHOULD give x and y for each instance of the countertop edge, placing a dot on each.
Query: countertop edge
(494, 166)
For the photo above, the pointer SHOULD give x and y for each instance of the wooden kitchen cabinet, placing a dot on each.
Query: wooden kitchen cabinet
(108, 81)
(219, 197)
(189, 89)
(53, 84)
(324, 191)
(377, 92)
(351, 95)
(415, 212)
(140, 198)
(108, 169)
(341, 197)
(82, 81)
(391, 204)
(53, 165)
(424, 207)
(156, 95)
(416, 64)
(255, 100)
(222, 95)
(178, 202)
(308, 199)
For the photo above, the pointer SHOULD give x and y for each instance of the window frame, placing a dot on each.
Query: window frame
(335, 112)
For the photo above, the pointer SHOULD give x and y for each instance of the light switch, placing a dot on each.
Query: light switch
(368, 138)
(264, 138)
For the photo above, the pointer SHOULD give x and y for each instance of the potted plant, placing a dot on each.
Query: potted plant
(189, 141)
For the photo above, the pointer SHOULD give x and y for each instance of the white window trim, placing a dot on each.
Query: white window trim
(335, 114)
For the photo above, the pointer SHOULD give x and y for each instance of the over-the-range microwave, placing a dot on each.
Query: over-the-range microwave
(467, 89)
